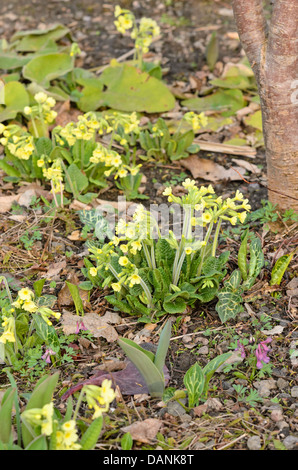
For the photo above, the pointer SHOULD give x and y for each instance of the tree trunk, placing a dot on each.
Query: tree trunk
(273, 55)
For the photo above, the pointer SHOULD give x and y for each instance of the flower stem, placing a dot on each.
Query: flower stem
(215, 240)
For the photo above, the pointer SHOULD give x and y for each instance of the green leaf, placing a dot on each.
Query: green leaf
(6, 415)
(229, 305)
(174, 306)
(212, 51)
(43, 146)
(11, 61)
(227, 102)
(163, 346)
(280, 268)
(75, 181)
(153, 378)
(242, 256)
(129, 90)
(16, 98)
(126, 441)
(41, 395)
(194, 381)
(212, 366)
(139, 348)
(91, 435)
(39, 443)
(34, 40)
(38, 286)
(75, 293)
(45, 332)
(256, 258)
(45, 68)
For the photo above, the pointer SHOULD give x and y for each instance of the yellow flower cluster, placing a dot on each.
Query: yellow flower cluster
(25, 301)
(8, 336)
(99, 398)
(67, 436)
(43, 108)
(142, 34)
(42, 417)
(55, 175)
(125, 19)
(195, 120)
(18, 142)
(213, 207)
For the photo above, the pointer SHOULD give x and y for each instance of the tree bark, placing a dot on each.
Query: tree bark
(273, 55)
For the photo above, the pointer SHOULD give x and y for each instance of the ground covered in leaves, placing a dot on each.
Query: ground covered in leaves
(243, 411)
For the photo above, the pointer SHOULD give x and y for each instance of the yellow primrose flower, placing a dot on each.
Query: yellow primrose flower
(134, 279)
(40, 162)
(25, 294)
(124, 248)
(233, 220)
(116, 286)
(242, 216)
(123, 261)
(28, 110)
(207, 217)
(167, 191)
(121, 173)
(245, 205)
(93, 272)
(8, 334)
(29, 306)
(188, 250)
(230, 204)
(136, 245)
(188, 183)
(40, 97)
(239, 196)
(130, 232)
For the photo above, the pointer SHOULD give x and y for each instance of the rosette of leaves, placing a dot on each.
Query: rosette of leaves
(163, 146)
(230, 302)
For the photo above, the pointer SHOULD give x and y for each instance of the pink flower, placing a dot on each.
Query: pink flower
(80, 326)
(261, 353)
(241, 348)
(47, 355)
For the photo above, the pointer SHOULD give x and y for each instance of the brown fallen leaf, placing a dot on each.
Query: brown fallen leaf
(98, 326)
(247, 165)
(144, 431)
(211, 171)
(54, 269)
(65, 297)
(6, 202)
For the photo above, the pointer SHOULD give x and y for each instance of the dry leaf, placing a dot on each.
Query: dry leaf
(54, 269)
(144, 431)
(65, 297)
(98, 326)
(211, 171)
(247, 165)
(6, 202)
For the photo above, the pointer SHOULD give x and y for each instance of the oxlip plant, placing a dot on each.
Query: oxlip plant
(40, 426)
(154, 274)
(163, 145)
(26, 322)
